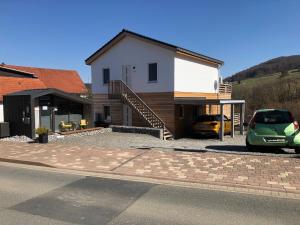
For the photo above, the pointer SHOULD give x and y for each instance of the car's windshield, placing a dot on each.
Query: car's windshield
(205, 118)
(273, 117)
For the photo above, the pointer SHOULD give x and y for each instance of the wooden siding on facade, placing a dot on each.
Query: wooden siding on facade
(184, 124)
(213, 109)
(116, 108)
(163, 104)
(137, 121)
(179, 94)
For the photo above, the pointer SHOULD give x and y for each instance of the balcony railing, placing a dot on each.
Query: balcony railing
(225, 88)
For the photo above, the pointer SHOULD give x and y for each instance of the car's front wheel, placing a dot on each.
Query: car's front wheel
(297, 150)
(249, 146)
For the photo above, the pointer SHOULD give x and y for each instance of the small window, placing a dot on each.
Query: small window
(181, 111)
(106, 112)
(106, 76)
(152, 72)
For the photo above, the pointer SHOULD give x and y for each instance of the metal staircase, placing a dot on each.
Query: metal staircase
(117, 89)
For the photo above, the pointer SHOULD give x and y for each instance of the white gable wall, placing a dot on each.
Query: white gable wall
(1, 113)
(138, 54)
(193, 76)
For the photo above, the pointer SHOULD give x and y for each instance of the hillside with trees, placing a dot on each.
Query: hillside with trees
(277, 65)
(272, 84)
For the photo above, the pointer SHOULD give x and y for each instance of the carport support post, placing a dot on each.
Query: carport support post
(232, 120)
(221, 133)
(242, 112)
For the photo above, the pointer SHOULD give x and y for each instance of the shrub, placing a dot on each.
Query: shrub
(41, 130)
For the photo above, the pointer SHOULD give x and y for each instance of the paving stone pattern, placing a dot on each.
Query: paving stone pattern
(247, 171)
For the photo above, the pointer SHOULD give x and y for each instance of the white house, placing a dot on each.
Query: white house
(140, 81)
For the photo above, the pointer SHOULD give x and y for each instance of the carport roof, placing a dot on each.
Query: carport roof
(204, 101)
(41, 92)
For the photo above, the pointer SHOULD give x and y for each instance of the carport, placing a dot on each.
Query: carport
(220, 103)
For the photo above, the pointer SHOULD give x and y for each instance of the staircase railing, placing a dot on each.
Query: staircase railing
(117, 89)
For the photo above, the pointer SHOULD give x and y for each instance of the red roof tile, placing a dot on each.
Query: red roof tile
(65, 80)
(13, 84)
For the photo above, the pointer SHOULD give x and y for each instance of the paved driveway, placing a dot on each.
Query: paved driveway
(262, 172)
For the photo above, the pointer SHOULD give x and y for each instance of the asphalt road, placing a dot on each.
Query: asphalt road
(30, 197)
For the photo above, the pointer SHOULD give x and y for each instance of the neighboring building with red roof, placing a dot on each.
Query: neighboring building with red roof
(65, 80)
(20, 78)
(13, 84)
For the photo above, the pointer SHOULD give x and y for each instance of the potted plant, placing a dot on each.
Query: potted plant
(43, 134)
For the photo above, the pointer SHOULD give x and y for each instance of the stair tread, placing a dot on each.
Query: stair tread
(169, 135)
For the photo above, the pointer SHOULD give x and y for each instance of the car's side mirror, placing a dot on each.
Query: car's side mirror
(245, 124)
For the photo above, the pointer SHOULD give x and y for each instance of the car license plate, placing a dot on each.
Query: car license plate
(274, 140)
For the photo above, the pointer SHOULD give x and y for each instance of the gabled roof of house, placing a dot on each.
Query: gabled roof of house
(125, 33)
(39, 78)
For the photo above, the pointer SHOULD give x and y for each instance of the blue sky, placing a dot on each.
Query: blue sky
(63, 33)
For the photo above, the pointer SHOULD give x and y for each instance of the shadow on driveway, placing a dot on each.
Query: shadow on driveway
(226, 147)
(242, 148)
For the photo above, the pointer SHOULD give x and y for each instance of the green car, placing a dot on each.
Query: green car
(274, 128)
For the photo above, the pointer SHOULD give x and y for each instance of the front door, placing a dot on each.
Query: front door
(126, 74)
(127, 115)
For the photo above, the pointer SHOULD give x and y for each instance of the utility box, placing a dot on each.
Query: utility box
(4, 130)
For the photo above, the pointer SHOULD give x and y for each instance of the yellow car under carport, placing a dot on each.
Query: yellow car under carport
(210, 125)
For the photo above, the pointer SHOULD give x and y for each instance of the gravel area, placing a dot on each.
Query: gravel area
(105, 138)
(58, 137)
(22, 139)
(115, 140)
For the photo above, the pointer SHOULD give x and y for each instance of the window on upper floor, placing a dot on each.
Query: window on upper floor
(152, 72)
(106, 75)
